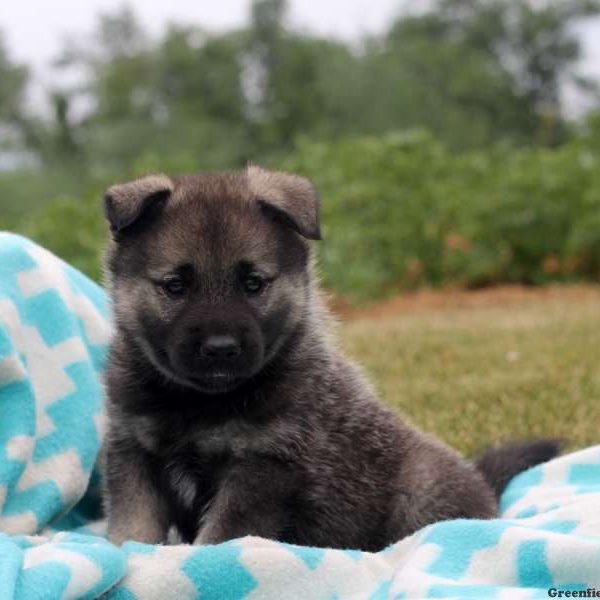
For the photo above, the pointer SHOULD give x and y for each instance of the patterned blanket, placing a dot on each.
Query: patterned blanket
(54, 327)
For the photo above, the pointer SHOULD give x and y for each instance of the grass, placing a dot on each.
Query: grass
(479, 375)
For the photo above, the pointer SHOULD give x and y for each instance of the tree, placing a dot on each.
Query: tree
(495, 67)
(302, 84)
(474, 72)
(13, 84)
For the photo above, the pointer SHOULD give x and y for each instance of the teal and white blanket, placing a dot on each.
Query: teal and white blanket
(54, 328)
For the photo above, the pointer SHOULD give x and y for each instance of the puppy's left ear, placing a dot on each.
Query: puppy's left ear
(290, 198)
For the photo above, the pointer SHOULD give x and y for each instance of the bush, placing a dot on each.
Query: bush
(72, 228)
(402, 211)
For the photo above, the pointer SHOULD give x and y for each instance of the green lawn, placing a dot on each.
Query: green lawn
(477, 375)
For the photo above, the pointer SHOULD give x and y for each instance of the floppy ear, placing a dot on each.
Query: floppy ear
(124, 203)
(291, 198)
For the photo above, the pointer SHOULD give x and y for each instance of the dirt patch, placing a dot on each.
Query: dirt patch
(434, 300)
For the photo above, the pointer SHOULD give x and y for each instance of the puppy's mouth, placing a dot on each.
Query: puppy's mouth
(215, 382)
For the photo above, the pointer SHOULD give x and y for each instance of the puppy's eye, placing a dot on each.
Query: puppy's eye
(174, 285)
(253, 284)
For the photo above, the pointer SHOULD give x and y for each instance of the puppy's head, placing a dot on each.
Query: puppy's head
(210, 273)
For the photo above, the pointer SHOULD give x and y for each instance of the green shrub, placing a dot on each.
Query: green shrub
(72, 228)
(402, 211)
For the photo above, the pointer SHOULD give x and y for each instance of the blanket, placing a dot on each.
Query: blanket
(54, 329)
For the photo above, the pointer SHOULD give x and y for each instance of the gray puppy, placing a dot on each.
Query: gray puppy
(231, 410)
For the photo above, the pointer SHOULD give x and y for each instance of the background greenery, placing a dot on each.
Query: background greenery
(442, 147)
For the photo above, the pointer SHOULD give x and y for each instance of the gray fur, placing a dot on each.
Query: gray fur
(292, 443)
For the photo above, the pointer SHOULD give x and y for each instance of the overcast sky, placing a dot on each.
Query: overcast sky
(34, 29)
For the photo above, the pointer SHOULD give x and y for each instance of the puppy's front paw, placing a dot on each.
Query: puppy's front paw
(209, 535)
(118, 537)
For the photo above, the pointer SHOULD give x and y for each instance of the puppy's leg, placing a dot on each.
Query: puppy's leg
(136, 510)
(437, 484)
(251, 500)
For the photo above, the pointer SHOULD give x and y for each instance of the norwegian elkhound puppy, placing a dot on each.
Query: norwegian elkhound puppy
(231, 410)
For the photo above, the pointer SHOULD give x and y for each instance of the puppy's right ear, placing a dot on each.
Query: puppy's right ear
(125, 203)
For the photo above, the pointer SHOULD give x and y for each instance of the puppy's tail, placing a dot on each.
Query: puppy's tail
(500, 464)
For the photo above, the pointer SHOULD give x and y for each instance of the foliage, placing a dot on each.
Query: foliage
(503, 188)
(73, 229)
(497, 67)
(402, 211)
(13, 79)
(474, 72)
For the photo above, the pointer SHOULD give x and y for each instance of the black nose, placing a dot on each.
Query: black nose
(222, 347)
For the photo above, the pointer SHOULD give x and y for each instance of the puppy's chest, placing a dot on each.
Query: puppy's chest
(192, 459)
(191, 478)
(233, 439)
(194, 463)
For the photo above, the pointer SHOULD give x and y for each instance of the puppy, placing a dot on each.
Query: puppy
(231, 410)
